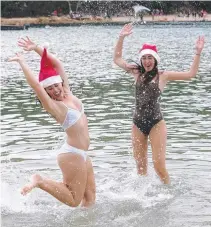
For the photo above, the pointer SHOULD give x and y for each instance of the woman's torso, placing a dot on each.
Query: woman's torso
(147, 97)
(70, 115)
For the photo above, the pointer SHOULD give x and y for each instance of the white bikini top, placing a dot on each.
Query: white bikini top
(72, 116)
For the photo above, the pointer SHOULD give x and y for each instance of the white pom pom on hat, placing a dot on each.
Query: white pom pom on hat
(46, 45)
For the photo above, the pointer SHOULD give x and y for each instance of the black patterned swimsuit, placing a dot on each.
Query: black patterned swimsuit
(147, 107)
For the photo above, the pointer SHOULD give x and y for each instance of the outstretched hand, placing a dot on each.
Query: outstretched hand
(26, 43)
(200, 44)
(126, 30)
(18, 58)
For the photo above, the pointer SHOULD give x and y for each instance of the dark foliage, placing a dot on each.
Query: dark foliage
(45, 8)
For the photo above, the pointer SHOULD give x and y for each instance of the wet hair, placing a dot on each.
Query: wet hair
(147, 76)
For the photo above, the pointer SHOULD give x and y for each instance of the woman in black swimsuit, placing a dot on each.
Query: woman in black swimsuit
(147, 119)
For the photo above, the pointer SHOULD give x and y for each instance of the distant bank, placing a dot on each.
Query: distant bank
(27, 22)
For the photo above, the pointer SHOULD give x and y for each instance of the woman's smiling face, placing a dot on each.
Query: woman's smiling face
(148, 62)
(55, 91)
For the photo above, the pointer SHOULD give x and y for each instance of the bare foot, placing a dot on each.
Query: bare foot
(35, 180)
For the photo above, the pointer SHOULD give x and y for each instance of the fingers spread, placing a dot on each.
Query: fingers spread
(20, 43)
(24, 40)
(11, 59)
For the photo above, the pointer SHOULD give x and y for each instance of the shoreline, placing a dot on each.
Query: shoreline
(54, 20)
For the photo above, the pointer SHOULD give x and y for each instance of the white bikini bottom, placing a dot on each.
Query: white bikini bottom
(66, 148)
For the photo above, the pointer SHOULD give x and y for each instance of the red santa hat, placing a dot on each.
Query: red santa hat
(149, 49)
(48, 75)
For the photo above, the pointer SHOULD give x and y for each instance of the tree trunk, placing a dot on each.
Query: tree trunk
(70, 9)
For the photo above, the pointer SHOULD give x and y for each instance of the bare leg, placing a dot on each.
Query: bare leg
(74, 172)
(35, 181)
(90, 191)
(71, 191)
(158, 137)
(56, 189)
(140, 144)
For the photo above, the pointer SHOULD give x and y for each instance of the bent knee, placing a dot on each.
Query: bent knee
(72, 204)
(74, 199)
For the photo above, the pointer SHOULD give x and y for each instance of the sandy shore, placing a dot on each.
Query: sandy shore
(67, 20)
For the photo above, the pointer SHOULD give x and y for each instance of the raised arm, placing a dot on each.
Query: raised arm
(169, 75)
(118, 60)
(29, 45)
(44, 98)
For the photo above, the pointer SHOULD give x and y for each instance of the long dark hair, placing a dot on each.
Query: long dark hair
(147, 76)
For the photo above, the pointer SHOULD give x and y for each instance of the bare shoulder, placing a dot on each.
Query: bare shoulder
(71, 98)
(163, 75)
(162, 79)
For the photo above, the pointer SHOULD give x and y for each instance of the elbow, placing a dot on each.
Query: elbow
(116, 60)
(191, 75)
(116, 57)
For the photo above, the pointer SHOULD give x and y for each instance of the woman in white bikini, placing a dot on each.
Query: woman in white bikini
(52, 89)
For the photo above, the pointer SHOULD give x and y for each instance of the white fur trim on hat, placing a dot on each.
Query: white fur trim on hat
(51, 80)
(148, 51)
